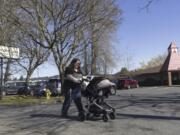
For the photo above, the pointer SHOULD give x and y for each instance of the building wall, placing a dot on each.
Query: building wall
(175, 77)
(153, 79)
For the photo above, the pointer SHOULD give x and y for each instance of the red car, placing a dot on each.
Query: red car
(127, 83)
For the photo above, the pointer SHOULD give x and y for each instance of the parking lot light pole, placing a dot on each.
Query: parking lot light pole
(1, 81)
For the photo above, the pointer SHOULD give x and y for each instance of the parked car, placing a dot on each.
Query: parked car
(12, 87)
(38, 88)
(34, 89)
(25, 90)
(54, 85)
(127, 83)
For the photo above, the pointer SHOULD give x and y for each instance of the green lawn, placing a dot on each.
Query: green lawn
(28, 100)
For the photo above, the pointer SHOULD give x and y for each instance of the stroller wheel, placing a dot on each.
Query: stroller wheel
(96, 115)
(82, 116)
(112, 115)
(88, 116)
(105, 118)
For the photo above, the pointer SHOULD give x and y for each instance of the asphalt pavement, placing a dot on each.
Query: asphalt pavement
(141, 111)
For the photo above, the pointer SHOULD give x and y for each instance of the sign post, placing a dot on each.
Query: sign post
(10, 53)
(1, 82)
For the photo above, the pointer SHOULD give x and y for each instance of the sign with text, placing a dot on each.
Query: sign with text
(9, 52)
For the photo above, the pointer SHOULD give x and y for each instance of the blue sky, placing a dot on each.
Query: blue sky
(141, 35)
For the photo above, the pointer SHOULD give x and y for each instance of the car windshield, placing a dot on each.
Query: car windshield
(10, 84)
(14, 84)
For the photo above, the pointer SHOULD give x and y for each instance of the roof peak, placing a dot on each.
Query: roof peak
(172, 45)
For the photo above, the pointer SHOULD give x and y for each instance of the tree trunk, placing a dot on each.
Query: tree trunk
(61, 73)
(85, 60)
(105, 68)
(28, 77)
(94, 57)
(7, 71)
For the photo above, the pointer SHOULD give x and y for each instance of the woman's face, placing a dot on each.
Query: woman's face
(77, 64)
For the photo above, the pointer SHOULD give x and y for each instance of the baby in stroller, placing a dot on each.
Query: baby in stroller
(95, 90)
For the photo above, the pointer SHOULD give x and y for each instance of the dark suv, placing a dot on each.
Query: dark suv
(34, 89)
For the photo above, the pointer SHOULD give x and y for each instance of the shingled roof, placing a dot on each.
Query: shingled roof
(151, 70)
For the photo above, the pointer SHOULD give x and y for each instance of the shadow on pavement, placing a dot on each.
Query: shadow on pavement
(139, 116)
(74, 118)
(54, 116)
(45, 115)
(171, 100)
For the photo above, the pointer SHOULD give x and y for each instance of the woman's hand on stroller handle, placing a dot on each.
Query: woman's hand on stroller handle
(86, 78)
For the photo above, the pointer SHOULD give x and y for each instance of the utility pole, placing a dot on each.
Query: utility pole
(1, 81)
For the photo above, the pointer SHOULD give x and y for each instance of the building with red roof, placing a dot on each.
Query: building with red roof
(171, 65)
(165, 74)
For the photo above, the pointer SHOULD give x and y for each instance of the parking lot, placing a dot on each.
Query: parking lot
(140, 111)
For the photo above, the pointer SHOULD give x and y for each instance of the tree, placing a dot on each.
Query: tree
(153, 62)
(7, 72)
(52, 24)
(31, 56)
(103, 18)
(60, 25)
(124, 71)
(127, 58)
(7, 38)
(148, 4)
(105, 59)
(21, 78)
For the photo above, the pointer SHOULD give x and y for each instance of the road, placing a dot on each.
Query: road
(141, 111)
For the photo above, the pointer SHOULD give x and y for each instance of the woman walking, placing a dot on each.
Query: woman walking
(71, 88)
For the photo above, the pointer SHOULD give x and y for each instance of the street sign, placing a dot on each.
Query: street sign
(9, 52)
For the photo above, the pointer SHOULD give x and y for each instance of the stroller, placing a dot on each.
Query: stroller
(96, 90)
